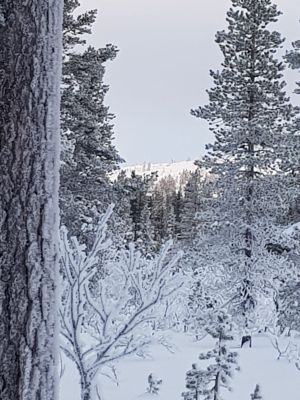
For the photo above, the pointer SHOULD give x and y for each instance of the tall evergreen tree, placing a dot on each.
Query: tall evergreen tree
(191, 206)
(292, 164)
(163, 215)
(88, 152)
(134, 205)
(247, 113)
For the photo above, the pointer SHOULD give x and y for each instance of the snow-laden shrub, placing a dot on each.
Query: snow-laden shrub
(106, 319)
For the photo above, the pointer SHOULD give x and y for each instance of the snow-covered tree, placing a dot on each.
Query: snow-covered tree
(75, 27)
(164, 216)
(134, 206)
(207, 384)
(190, 207)
(104, 322)
(88, 154)
(247, 112)
(291, 163)
(201, 306)
(30, 64)
(154, 384)
(196, 381)
(293, 59)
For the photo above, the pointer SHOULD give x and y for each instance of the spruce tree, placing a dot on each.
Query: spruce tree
(248, 111)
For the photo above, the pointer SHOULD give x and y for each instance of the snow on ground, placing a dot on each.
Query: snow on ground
(280, 380)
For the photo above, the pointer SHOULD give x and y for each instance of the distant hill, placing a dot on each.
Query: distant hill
(178, 170)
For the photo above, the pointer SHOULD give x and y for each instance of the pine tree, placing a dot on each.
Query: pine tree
(293, 59)
(88, 154)
(163, 213)
(196, 381)
(154, 384)
(134, 205)
(191, 206)
(247, 112)
(178, 211)
(30, 65)
(207, 383)
(201, 306)
(291, 163)
(74, 28)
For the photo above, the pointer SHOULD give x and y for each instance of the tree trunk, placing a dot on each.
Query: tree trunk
(30, 58)
(85, 390)
(217, 386)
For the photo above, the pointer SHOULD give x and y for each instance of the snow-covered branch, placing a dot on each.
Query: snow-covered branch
(105, 319)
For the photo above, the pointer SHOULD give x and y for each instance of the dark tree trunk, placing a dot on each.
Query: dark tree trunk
(85, 390)
(30, 58)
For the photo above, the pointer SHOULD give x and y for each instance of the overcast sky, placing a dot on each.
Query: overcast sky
(162, 70)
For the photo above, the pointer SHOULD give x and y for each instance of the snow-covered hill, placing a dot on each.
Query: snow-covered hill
(164, 170)
(176, 169)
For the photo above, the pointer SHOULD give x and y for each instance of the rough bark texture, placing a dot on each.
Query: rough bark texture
(30, 54)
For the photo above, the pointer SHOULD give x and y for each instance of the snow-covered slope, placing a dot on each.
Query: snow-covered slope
(164, 170)
(174, 169)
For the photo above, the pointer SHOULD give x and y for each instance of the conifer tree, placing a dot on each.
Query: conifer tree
(293, 59)
(201, 306)
(207, 384)
(163, 213)
(247, 112)
(190, 206)
(134, 205)
(291, 164)
(88, 154)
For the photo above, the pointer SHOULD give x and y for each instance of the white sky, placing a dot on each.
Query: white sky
(162, 70)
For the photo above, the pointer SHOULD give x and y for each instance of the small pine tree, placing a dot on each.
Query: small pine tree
(201, 305)
(206, 384)
(196, 380)
(257, 394)
(154, 384)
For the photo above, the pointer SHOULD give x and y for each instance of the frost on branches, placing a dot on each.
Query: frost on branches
(106, 320)
(249, 113)
(207, 384)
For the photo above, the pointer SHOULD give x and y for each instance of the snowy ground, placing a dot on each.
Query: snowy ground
(280, 380)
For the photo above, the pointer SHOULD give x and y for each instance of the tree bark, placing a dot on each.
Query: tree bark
(85, 389)
(30, 59)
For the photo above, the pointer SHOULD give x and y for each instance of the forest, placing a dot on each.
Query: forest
(119, 283)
